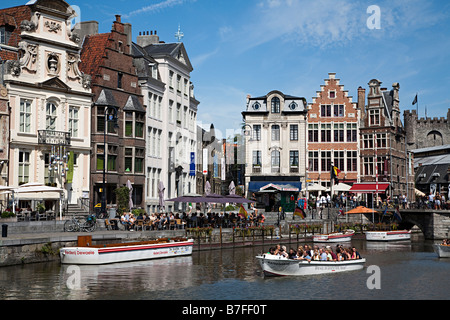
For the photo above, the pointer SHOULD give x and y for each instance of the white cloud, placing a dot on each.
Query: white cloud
(156, 7)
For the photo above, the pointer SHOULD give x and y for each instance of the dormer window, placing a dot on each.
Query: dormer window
(275, 105)
(256, 106)
(293, 105)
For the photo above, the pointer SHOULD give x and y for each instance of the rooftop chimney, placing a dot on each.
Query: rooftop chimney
(147, 39)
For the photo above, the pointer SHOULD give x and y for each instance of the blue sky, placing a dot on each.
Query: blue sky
(255, 46)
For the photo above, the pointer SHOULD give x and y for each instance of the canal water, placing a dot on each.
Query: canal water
(401, 271)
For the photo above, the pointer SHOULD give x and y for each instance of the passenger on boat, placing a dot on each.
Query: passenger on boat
(304, 256)
(355, 254)
(445, 242)
(283, 252)
(323, 254)
(333, 255)
(292, 254)
(277, 249)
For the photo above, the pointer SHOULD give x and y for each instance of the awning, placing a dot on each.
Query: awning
(369, 187)
(275, 186)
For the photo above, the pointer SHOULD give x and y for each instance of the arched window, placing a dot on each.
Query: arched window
(275, 105)
(435, 138)
(50, 116)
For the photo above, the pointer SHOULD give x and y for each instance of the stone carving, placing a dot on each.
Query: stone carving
(74, 37)
(29, 55)
(13, 67)
(52, 26)
(86, 80)
(73, 72)
(53, 63)
(30, 25)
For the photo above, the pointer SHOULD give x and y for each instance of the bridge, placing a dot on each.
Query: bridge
(435, 224)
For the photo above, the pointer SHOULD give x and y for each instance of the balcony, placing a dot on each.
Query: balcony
(52, 137)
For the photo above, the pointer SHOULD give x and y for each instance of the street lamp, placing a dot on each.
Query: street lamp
(110, 115)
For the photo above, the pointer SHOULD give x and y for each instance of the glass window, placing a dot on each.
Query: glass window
(275, 132)
(128, 124)
(73, 121)
(24, 167)
(256, 157)
(50, 116)
(293, 132)
(352, 161)
(325, 132)
(325, 110)
(352, 133)
(325, 161)
(128, 160)
(275, 158)
(313, 161)
(25, 116)
(275, 105)
(374, 117)
(139, 160)
(293, 158)
(313, 133)
(338, 132)
(257, 132)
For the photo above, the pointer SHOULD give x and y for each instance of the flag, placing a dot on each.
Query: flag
(243, 212)
(415, 100)
(397, 214)
(334, 173)
(299, 212)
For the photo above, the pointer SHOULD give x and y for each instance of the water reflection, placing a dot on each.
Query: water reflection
(409, 270)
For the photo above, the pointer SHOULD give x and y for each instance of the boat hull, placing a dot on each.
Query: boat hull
(442, 250)
(334, 237)
(278, 266)
(388, 235)
(105, 255)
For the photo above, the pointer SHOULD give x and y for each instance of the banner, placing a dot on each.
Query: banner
(205, 161)
(192, 165)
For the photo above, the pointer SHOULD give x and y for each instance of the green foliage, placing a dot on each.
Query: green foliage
(123, 199)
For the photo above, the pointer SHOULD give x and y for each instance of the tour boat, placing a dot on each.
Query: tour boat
(274, 265)
(123, 252)
(388, 235)
(334, 237)
(442, 250)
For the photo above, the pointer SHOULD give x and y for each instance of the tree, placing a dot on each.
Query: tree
(123, 198)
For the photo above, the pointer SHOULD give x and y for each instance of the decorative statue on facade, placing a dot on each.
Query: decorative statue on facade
(30, 25)
(29, 55)
(13, 67)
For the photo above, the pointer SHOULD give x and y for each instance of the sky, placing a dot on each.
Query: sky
(241, 47)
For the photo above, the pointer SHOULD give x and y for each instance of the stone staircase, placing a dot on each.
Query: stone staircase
(76, 210)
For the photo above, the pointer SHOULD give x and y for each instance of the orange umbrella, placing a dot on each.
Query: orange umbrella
(360, 209)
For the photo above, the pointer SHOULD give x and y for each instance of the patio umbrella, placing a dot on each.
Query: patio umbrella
(360, 209)
(341, 187)
(316, 187)
(188, 197)
(130, 199)
(234, 198)
(33, 187)
(161, 189)
(214, 198)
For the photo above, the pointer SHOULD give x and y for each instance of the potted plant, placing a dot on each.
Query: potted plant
(40, 207)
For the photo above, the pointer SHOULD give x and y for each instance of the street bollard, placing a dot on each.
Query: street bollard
(4, 230)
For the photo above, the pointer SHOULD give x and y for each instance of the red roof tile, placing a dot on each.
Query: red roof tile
(93, 52)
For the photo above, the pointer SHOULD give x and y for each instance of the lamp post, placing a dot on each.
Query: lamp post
(110, 115)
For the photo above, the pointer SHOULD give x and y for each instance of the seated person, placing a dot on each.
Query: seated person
(125, 220)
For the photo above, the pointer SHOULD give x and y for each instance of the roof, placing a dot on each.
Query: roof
(133, 104)
(436, 173)
(429, 149)
(174, 50)
(106, 98)
(93, 52)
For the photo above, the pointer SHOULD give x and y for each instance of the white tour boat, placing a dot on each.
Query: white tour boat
(123, 252)
(334, 237)
(279, 266)
(442, 250)
(393, 235)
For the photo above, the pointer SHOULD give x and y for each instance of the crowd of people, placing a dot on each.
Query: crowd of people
(161, 221)
(315, 253)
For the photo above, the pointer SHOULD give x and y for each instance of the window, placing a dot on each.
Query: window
(293, 132)
(24, 167)
(313, 133)
(374, 117)
(73, 121)
(111, 157)
(275, 161)
(5, 34)
(293, 158)
(325, 132)
(25, 116)
(128, 160)
(171, 111)
(313, 161)
(256, 158)
(275, 105)
(275, 132)
(332, 94)
(339, 159)
(128, 124)
(47, 178)
(368, 141)
(178, 83)
(338, 110)
(325, 161)
(100, 156)
(171, 80)
(139, 160)
(368, 166)
(257, 132)
(178, 114)
(325, 110)
(381, 140)
(352, 161)
(352, 133)
(140, 123)
(50, 116)
(119, 80)
(338, 132)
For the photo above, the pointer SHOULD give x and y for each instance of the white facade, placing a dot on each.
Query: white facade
(50, 101)
(275, 141)
(171, 120)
